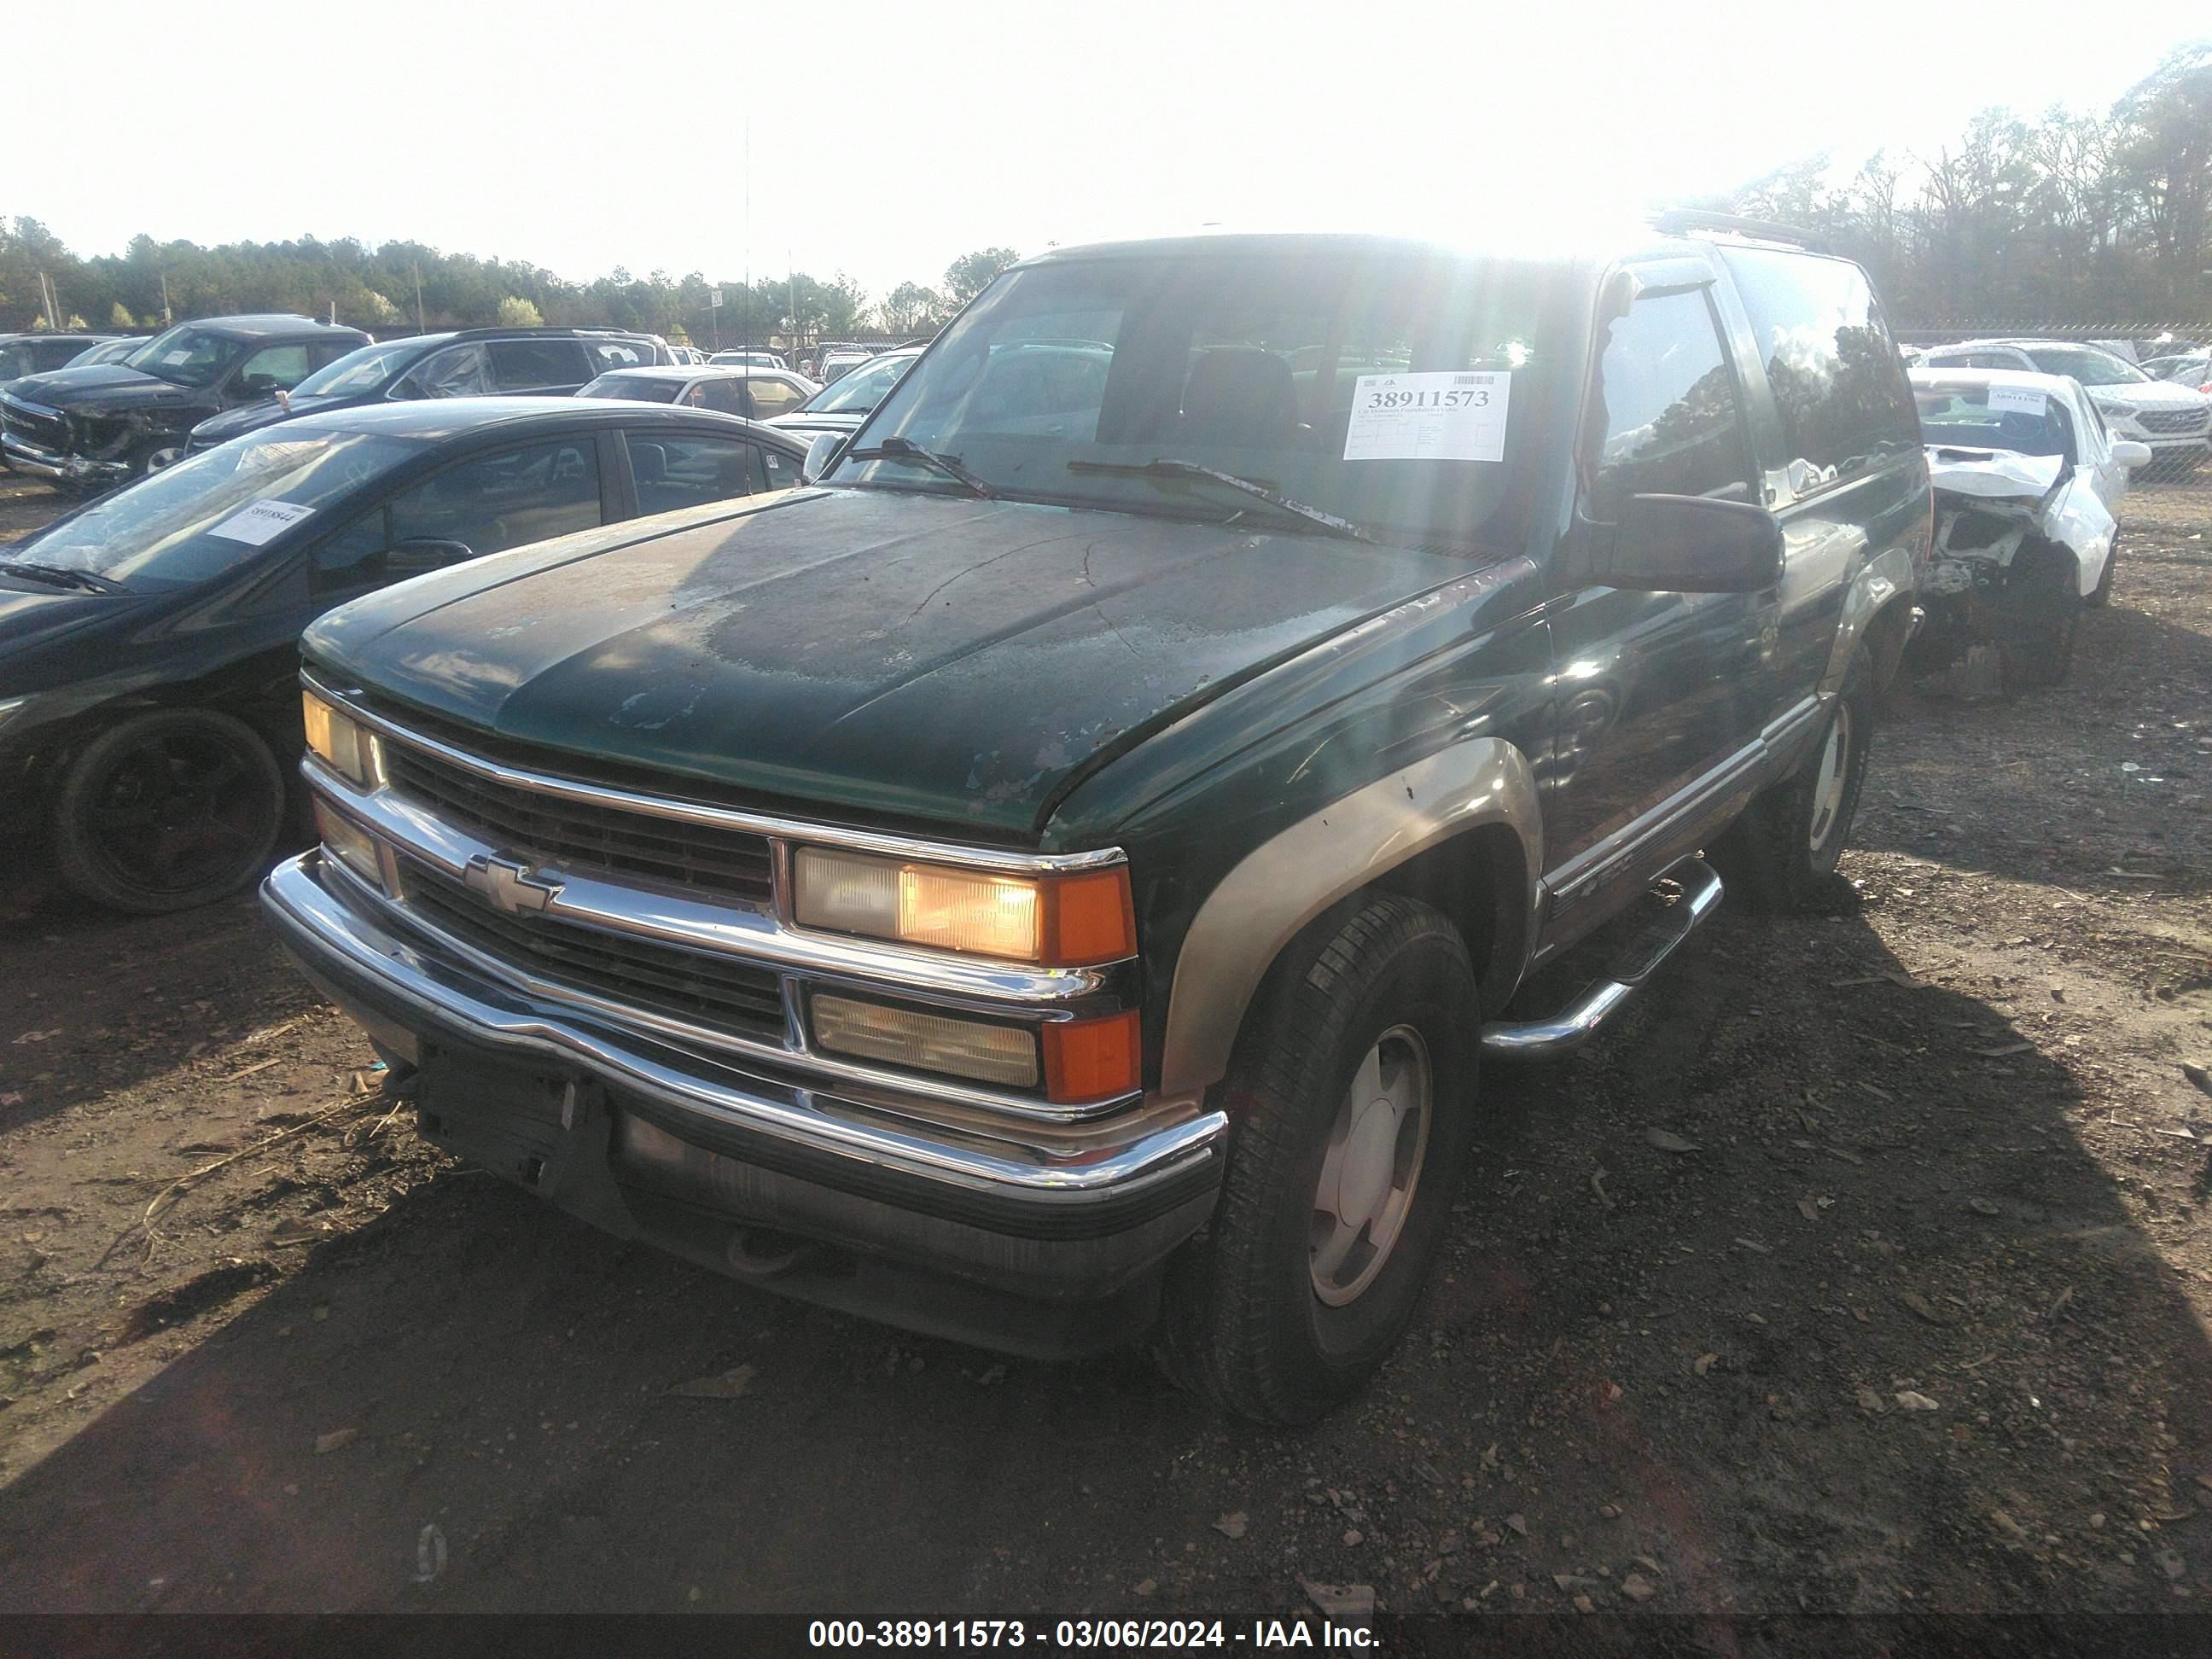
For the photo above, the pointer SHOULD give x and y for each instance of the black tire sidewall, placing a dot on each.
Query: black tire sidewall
(86, 872)
(1857, 697)
(1317, 1035)
(1766, 857)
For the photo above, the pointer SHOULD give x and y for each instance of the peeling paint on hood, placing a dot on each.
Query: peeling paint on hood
(891, 654)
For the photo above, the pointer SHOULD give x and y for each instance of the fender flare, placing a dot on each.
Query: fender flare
(1282, 885)
(1883, 579)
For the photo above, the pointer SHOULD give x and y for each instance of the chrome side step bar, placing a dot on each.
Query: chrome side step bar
(1563, 1033)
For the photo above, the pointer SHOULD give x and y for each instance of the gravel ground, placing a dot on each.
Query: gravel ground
(1864, 1268)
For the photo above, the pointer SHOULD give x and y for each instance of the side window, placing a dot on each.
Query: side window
(488, 503)
(272, 369)
(778, 470)
(674, 469)
(618, 353)
(1664, 409)
(725, 393)
(354, 558)
(460, 373)
(771, 398)
(526, 365)
(1838, 384)
(324, 353)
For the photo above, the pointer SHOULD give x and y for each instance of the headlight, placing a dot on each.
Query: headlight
(1062, 921)
(338, 740)
(1004, 1054)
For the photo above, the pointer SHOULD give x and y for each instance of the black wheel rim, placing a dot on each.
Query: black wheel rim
(179, 811)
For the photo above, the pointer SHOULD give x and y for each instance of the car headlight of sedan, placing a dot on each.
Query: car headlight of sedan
(339, 740)
(1072, 920)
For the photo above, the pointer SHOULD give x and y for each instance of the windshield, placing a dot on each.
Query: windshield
(638, 388)
(2086, 364)
(858, 393)
(1373, 384)
(201, 516)
(187, 355)
(368, 369)
(2027, 423)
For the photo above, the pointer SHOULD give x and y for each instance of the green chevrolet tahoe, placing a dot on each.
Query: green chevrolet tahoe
(1056, 877)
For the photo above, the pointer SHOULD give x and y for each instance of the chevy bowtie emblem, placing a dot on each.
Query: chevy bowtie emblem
(510, 887)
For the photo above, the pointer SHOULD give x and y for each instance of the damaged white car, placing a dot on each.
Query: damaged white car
(2028, 481)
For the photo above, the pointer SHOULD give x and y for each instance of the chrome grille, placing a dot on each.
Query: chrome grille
(46, 431)
(541, 828)
(719, 992)
(2172, 420)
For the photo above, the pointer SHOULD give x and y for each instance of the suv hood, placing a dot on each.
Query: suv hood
(104, 386)
(880, 654)
(2152, 394)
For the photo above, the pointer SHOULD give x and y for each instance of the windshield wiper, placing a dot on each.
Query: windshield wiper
(898, 449)
(61, 576)
(1164, 467)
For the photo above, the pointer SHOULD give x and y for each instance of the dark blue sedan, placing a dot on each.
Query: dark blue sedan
(149, 713)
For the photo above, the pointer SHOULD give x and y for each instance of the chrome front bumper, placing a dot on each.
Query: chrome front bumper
(29, 458)
(1043, 1209)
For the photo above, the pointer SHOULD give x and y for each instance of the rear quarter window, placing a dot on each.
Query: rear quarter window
(1839, 385)
(525, 365)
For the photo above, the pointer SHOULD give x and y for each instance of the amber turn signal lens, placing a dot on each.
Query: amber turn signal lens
(1087, 1060)
(1089, 919)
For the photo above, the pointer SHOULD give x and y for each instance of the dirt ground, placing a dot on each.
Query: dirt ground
(1864, 1269)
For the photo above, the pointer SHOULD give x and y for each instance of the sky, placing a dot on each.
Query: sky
(886, 140)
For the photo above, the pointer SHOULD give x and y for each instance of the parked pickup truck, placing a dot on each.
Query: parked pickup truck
(1058, 880)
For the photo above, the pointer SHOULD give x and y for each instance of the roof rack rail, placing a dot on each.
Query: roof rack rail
(1676, 221)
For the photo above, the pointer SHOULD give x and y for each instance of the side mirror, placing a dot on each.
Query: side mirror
(422, 555)
(2127, 453)
(821, 455)
(1685, 544)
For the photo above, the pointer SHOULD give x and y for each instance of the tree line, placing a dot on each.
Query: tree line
(404, 285)
(2069, 217)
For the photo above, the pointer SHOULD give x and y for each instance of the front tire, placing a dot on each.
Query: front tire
(1780, 856)
(2039, 616)
(171, 809)
(1353, 1097)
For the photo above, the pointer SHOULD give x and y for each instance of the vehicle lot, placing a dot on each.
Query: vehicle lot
(1943, 1148)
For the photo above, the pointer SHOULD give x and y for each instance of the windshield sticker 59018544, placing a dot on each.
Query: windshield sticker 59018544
(261, 522)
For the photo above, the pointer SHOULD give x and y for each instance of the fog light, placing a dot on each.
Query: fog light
(1004, 1054)
(338, 740)
(351, 844)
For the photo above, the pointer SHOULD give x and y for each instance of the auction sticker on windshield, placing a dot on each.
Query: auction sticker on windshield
(2015, 400)
(261, 522)
(1444, 415)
